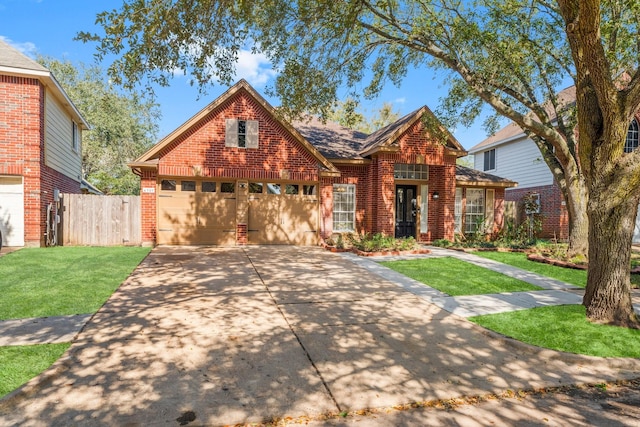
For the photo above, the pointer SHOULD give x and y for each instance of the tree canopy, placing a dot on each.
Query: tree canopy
(348, 113)
(123, 125)
(512, 55)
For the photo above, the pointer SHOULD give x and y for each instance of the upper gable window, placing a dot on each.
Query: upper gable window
(410, 171)
(241, 133)
(75, 137)
(490, 160)
(631, 142)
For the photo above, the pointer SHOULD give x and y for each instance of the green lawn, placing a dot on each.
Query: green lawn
(564, 328)
(21, 363)
(40, 282)
(455, 277)
(519, 259)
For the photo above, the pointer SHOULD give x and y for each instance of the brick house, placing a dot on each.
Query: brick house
(40, 147)
(512, 154)
(236, 173)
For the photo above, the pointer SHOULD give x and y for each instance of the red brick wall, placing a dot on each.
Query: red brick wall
(22, 152)
(555, 218)
(148, 198)
(201, 150)
(375, 191)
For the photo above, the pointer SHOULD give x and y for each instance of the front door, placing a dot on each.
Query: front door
(406, 210)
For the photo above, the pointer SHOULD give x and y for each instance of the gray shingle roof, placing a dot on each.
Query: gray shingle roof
(13, 58)
(333, 140)
(468, 175)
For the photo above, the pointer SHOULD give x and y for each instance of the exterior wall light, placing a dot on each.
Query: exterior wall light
(435, 195)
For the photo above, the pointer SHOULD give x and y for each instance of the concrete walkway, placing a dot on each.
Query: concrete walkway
(209, 336)
(555, 292)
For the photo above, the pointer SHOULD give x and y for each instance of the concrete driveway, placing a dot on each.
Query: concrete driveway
(223, 336)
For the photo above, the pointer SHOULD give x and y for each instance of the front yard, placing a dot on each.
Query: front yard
(43, 282)
(562, 328)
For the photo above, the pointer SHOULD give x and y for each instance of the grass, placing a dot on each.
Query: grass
(519, 259)
(564, 328)
(41, 282)
(456, 277)
(21, 363)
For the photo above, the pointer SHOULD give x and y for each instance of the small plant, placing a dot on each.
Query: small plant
(442, 243)
(381, 242)
(602, 386)
(340, 242)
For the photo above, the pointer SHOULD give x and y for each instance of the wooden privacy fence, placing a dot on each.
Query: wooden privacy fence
(91, 220)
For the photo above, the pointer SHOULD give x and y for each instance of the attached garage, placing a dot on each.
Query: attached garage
(283, 213)
(196, 212)
(12, 211)
(206, 212)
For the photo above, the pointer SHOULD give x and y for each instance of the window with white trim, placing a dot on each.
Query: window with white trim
(241, 133)
(490, 160)
(75, 137)
(457, 212)
(411, 171)
(474, 214)
(631, 143)
(344, 207)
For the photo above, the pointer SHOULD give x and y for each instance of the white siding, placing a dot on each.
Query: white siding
(519, 161)
(58, 141)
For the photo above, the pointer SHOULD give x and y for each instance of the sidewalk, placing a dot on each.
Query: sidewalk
(555, 292)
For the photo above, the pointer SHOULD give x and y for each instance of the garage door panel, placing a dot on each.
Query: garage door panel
(216, 210)
(12, 211)
(283, 219)
(194, 218)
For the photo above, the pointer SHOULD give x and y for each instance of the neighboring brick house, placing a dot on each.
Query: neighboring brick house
(510, 153)
(236, 173)
(40, 147)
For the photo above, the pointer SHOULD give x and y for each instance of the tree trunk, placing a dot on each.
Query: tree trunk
(608, 295)
(576, 200)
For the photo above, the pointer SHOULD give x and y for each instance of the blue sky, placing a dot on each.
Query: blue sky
(48, 27)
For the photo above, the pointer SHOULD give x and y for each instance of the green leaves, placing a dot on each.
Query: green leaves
(123, 125)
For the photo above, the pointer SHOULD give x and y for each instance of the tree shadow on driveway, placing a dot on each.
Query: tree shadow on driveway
(238, 335)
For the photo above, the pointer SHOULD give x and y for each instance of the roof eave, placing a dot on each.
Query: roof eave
(478, 148)
(48, 81)
(463, 183)
(339, 161)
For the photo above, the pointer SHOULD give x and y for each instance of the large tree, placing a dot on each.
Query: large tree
(348, 114)
(513, 55)
(123, 124)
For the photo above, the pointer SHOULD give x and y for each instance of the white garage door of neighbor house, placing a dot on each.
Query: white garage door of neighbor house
(12, 211)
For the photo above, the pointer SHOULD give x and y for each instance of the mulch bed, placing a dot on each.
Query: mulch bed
(557, 262)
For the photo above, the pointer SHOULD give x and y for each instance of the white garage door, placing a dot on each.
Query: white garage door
(12, 211)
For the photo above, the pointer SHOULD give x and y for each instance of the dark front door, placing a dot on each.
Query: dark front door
(406, 210)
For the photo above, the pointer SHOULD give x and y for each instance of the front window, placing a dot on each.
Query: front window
(490, 160)
(344, 207)
(631, 142)
(474, 216)
(457, 211)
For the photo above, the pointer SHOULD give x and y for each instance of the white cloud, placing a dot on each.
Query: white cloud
(254, 67)
(27, 48)
(400, 100)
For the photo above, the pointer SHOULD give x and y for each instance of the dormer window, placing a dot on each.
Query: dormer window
(631, 142)
(241, 133)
